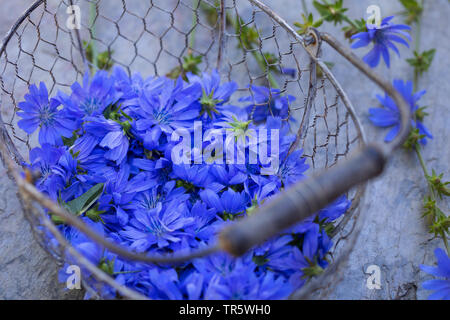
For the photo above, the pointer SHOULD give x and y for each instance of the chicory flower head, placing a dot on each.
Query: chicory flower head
(389, 115)
(265, 102)
(40, 112)
(441, 287)
(383, 38)
(214, 94)
(163, 110)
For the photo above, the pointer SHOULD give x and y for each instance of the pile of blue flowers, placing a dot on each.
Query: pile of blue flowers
(105, 154)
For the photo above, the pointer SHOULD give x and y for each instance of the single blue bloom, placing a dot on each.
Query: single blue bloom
(94, 161)
(325, 245)
(67, 170)
(295, 265)
(210, 83)
(161, 113)
(228, 175)
(197, 174)
(92, 98)
(107, 134)
(120, 190)
(160, 226)
(242, 283)
(265, 102)
(229, 202)
(389, 115)
(164, 284)
(203, 227)
(273, 253)
(192, 284)
(218, 93)
(217, 263)
(441, 287)
(39, 112)
(292, 169)
(383, 38)
(43, 160)
(132, 87)
(289, 71)
(148, 199)
(336, 209)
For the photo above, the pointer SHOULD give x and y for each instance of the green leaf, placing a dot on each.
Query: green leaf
(94, 214)
(82, 204)
(422, 61)
(89, 51)
(356, 27)
(107, 265)
(438, 184)
(104, 60)
(68, 142)
(413, 140)
(413, 10)
(331, 12)
(420, 113)
(308, 21)
(190, 64)
(249, 37)
(319, 71)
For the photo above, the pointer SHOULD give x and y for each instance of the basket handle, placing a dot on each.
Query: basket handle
(307, 197)
(302, 200)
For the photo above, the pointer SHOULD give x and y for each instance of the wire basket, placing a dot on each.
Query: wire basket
(154, 36)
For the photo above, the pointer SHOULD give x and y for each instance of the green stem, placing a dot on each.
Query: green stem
(417, 48)
(351, 22)
(92, 14)
(258, 57)
(194, 23)
(126, 272)
(264, 67)
(417, 148)
(422, 162)
(444, 237)
(305, 8)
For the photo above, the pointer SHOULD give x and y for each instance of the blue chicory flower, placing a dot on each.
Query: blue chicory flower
(40, 112)
(441, 287)
(389, 115)
(265, 102)
(383, 38)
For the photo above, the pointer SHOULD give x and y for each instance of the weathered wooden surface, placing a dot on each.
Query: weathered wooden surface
(394, 237)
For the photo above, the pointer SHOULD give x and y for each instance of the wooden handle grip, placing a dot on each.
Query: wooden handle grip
(302, 200)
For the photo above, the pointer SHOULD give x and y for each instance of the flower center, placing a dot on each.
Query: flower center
(90, 106)
(149, 202)
(162, 117)
(46, 116)
(156, 227)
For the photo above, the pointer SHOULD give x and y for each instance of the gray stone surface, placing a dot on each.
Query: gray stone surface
(394, 237)
(26, 271)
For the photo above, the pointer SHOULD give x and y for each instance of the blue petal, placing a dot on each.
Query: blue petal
(392, 134)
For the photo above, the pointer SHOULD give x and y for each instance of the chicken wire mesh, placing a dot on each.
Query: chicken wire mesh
(152, 37)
